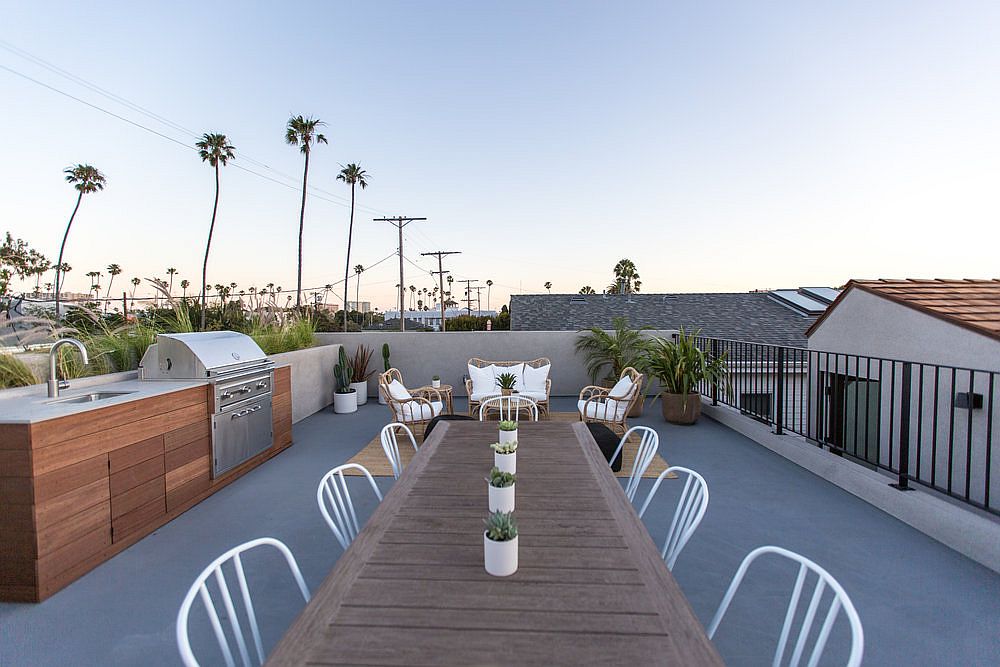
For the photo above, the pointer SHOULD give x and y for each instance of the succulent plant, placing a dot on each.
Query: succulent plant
(506, 381)
(501, 479)
(436, 377)
(343, 372)
(505, 447)
(385, 356)
(507, 425)
(501, 526)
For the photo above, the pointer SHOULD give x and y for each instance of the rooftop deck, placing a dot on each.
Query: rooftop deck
(921, 603)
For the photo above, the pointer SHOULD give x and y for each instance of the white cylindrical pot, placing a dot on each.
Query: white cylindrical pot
(361, 391)
(436, 384)
(381, 399)
(501, 557)
(508, 436)
(502, 498)
(344, 403)
(505, 462)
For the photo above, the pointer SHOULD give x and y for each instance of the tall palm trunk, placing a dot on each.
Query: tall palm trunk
(347, 266)
(208, 246)
(357, 294)
(302, 220)
(62, 247)
(107, 295)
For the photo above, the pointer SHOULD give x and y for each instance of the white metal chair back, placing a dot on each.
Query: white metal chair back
(200, 589)
(509, 407)
(336, 506)
(648, 445)
(690, 510)
(840, 601)
(390, 445)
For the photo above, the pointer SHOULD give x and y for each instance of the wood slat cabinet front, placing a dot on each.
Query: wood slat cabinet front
(78, 489)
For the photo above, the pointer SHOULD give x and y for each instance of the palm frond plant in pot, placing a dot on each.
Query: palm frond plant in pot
(607, 353)
(500, 544)
(345, 397)
(507, 382)
(681, 366)
(501, 490)
(360, 373)
(505, 456)
(508, 431)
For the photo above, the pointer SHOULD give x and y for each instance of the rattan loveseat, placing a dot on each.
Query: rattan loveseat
(539, 395)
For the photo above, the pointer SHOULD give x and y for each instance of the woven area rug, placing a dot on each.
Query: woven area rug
(373, 458)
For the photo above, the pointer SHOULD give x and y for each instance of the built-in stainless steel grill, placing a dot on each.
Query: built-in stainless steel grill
(241, 376)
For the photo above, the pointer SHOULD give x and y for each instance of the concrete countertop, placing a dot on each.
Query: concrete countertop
(27, 405)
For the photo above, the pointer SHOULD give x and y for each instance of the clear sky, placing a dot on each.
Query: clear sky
(721, 146)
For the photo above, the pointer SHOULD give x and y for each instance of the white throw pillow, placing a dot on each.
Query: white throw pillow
(483, 380)
(534, 378)
(517, 370)
(622, 387)
(398, 391)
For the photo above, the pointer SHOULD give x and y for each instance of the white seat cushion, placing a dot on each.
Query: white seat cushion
(483, 395)
(608, 410)
(414, 411)
(533, 395)
(484, 381)
(534, 378)
(398, 391)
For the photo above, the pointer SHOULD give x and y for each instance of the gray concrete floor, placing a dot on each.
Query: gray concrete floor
(921, 603)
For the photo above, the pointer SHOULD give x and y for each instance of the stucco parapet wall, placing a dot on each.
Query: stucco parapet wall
(312, 377)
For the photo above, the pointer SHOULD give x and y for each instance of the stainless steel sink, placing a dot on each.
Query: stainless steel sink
(92, 397)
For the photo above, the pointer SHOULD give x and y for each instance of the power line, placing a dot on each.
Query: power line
(400, 221)
(440, 254)
(468, 293)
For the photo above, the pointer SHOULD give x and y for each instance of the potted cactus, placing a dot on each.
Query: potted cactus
(346, 398)
(436, 381)
(506, 382)
(385, 367)
(505, 456)
(508, 431)
(501, 489)
(500, 544)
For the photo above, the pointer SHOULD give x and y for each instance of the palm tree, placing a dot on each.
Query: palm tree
(86, 179)
(301, 132)
(353, 175)
(135, 283)
(184, 288)
(170, 285)
(358, 270)
(413, 291)
(626, 278)
(214, 149)
(587, 289)
(489, 286)
(548, 286)
(113, 270)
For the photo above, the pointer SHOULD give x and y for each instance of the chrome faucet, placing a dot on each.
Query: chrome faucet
(54, 384)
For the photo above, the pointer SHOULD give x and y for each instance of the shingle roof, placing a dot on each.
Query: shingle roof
(753, 316)
(973, 304)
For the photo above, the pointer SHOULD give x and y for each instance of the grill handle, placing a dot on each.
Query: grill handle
(244, 413)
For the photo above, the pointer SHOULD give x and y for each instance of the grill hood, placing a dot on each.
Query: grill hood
(201, 355)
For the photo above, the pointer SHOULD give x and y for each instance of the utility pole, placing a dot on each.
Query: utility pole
(440, 274)
(400, 221)
(479, 299)
(468, 294)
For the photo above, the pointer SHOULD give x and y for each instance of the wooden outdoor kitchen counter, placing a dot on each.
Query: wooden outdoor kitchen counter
(591, 587)
(78, 488)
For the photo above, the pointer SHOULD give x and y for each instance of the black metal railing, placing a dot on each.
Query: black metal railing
(931, 424)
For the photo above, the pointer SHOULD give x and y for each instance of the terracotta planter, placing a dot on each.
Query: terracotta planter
(505, 392)
(680, 409)
(636, 410)
(500, 557)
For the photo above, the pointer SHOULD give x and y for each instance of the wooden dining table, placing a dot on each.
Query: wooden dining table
(591, 587)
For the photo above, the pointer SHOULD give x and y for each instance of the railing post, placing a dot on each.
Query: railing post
(904, 429)
(715, 385)
(779, 393)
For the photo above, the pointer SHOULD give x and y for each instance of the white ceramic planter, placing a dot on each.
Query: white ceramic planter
(505, 462)
(436, 384)
(508, 436)
(501, 557)
(361, 391)
(344, 403)
(381, 399)
(501, 499)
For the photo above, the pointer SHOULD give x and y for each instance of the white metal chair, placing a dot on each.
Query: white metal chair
(690, 510)
(840, 601)
(390, 445)
(200, 588)
(648, 445)
(340, 515)
(508, 407)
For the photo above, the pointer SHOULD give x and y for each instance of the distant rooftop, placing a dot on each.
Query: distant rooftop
(973, 304)
(780, 317)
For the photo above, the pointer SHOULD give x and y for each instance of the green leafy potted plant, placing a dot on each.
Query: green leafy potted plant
(385, 367)
(345, 399)
(436, 381)
(360, 373)
(508, 431)
(607, 353)
(681, 366)
(500, 544)
(506, 382)
(501, 490)
(505, 456)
